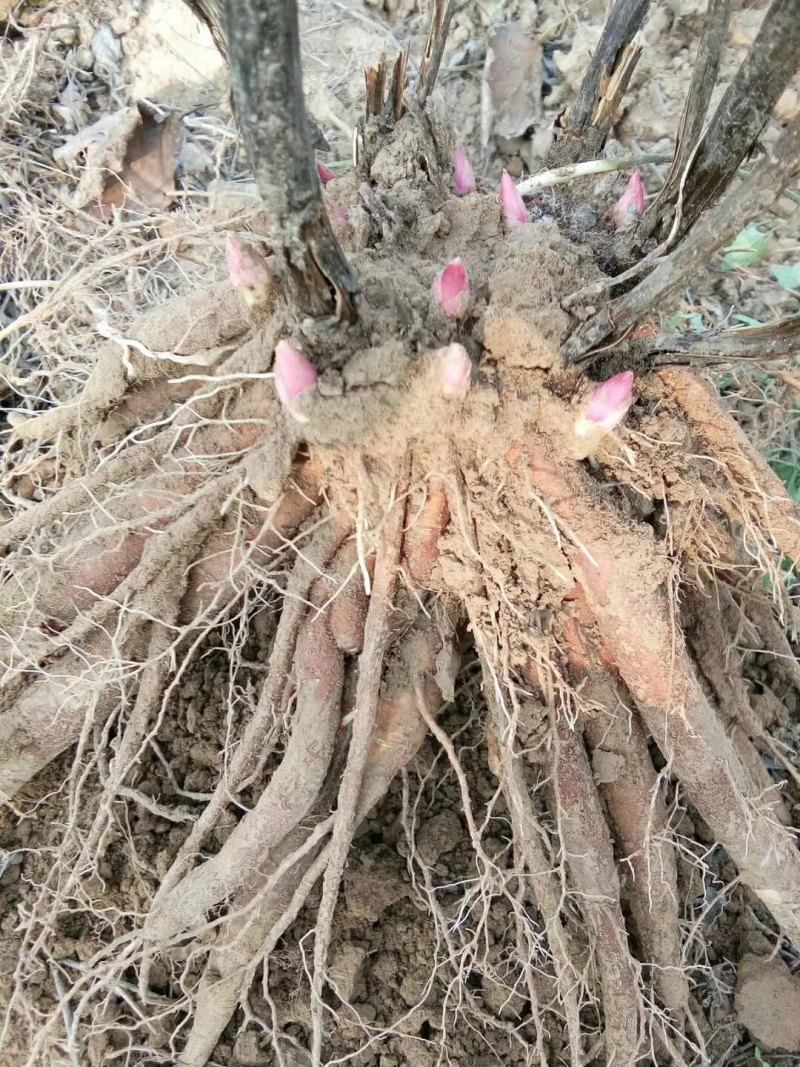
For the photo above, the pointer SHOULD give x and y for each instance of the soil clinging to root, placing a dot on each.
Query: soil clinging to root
(434, 610)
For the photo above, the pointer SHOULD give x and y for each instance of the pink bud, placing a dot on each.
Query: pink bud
(248, 271)
(294, 376)
(464, 178)
(455, 368)
(630, 206)
(325, 173)
(607, 406)
(451, 289)
(514, 210)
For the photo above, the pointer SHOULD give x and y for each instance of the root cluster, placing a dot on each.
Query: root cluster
(393, 535)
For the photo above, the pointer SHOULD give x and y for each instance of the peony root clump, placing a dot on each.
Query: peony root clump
(420, 492)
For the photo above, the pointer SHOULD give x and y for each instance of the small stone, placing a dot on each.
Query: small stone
(84, 59)
(246, 1050)
(788, 104)
(607, 766)
(366, 1013)
(438, 835)
(515, 167)
(373, 886)
(66, 35)
(768, 1002)
(345, 969)
(123, 24)
(106, 51)
(585, 218)
(11, 874)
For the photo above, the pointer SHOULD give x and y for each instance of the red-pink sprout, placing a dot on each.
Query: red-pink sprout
(249, 272)
(451, 289)
(462, 171)
(630, 206)
(607, 405)
(455, 368)
(514, 210)
(325, 173)
(294, 376)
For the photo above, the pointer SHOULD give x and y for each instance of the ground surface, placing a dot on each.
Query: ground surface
(73, 276)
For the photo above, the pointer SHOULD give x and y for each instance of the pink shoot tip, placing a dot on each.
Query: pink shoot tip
(248, 271)
(294, 376)
(630, 206)
(325, 173)
(464, 178)
(451, 289)
(455, 368)
(514, 210)
(607, 406)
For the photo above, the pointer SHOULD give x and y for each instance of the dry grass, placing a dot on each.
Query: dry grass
(65, 277)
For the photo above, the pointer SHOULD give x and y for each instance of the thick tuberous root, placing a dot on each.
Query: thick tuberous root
(397, 606)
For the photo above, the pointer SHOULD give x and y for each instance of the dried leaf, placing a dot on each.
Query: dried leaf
(72, 107)
(128, 161)
(512, 84)
(100, 138)
(147, 177)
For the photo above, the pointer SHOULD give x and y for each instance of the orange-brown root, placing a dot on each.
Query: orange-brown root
(714, 645)
(749, 473)
(253, 932)
(630, 787)
(587, 848)
(292, 790)
(615, 565)
(48, 716)
(192, 325)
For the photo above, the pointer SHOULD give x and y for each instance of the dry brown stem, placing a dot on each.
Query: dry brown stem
(264, 51)
(710, 233)
(693, 116)
(603, 86)
(744, 110)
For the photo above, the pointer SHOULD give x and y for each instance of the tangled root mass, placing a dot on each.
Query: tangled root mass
(389, 540)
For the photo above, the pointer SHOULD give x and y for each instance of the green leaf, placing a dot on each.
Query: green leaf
(748, 320)
(760, 1057)
(686, 322)
(786, 464)
(788, 277)
(747, 248)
